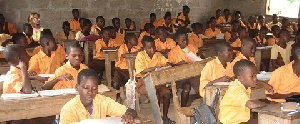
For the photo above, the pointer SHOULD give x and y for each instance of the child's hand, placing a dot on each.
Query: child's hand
(127, 119)
(269, 88)
(21, 65)
(66, 76)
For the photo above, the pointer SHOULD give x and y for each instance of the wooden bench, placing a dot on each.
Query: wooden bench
(170, 75)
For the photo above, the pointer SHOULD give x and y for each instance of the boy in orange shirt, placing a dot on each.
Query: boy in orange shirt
(129, 25)
(86, 30)
(211, 32)
(118, 41)
(236, 104)
(184, 19)
(120, 32)
(162, 43)
(274, 38)
(100, 24)
(236, 45)
(149, 60)
(28, 31)
(74, 23)
(285, 80)
(167, 23)
(260, 39)
(215, 70)
(152, 21)
(252, 26)
(196, 39)
(275, 21)
(232, 34)
(17, 79)
(66, 75)
(66, 34)
(237, 16)
(6, 27)
(219, 17)
(227, 16)
(91, 105)
(149, 31)
(261, 22)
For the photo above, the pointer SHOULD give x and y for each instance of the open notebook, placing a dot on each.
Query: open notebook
(264, 76)
(108, 120)
(19, 95)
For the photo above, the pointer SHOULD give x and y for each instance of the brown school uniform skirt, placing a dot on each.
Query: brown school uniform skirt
(141, 88)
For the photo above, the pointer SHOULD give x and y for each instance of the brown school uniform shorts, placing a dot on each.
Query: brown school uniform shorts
(141, 88)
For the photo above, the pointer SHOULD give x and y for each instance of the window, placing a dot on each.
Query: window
(286, 8)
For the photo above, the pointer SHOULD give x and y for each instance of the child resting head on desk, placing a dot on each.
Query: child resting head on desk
(236, 104)
(90, 105)
(17, 79)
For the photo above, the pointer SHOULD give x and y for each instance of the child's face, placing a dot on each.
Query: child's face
(22, 41)
(87, 27)
(249, 49)
(133, 41)
(106, 34)
(87, 90)
(261, 19)
(161, 34)
(262, 34)
(243, 34)
(218, 13)
(150, 48)
(153, 19)
(285, 36)
(186, 12)
(75, 56)
(66, 29)
(128, 22)
(113, 33)
(226, 13)
(252, 20)
(213, 22)
(249, 77)
(275, 19)
(227, 54)
(76, 14)
(276, 31)
(286, 24)
(36, 19)
(168, 20)
(199, 31)
(28, 31)
(101, 23)
(52, 44)
(117, 23)
(152, 31)
(238, 16)
(182, 41)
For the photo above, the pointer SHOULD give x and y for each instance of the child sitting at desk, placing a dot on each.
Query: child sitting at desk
(129, 25)
(274, 38)
(215, 70)
(196, 39)
(100, 24)
(149, 31)
(236, 104)
(118, 41)
(167, 23)
(28, 31)
(91, 105)
(236, 45)
(285, 80)
(86, 30)
(66, 75)
(212, 31)
(232, 34)
(66, 34)
(17, 79)
(260, 39)
(149, 60)
(162, 43)
(120, 33)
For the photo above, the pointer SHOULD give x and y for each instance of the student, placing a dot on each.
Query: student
(275, 21)
(281, 51)
(17, 79)
(34, 20)
(274, 38)
(28, 31)
(167, 23)
(196, 38)
(227, 16)
(184, 19)
(118, 41)
(20, 38)
(215, 70)
(252, 26)
(146, 61)
(236, 104)
(81, 23)
(66, 34)
(121, 74)
(232, 34)
(149, 31)
(86, 30)
(66, 75)
(286, 25)
(152, 21)
(162, 43)
(105, 43)
(74, 23)
(237, 16)
(212, 31)
(129, 25)
(7, 27)
(220, 18)
(260, 39)
(100, 24)
(120, 32)
(91, 105)
(285, 79)
(261, 22)
(236, 45)
(46, 61)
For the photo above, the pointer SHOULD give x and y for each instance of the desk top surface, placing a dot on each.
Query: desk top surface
(275, 110)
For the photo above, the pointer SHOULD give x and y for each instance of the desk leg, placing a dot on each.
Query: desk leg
(108, 70)
(258, 59)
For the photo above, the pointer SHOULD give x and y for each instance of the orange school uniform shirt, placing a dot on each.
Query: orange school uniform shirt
(101, 44)
(233, 109)
(273, 40)
(221, 20)
(130, 28)
(94, 29)
(161, 20)
(228, 20)
(228, 35)
(257, 39)
(11, 28)
(209, 33)
(169, 26)
(120, 37)
(122, 63)
(155, 23)
(43, 64)
(285, 53)
(211, 71)
(196, 40)
(252, 27)
(67, 68)
(236, 43)
(229, 68)
(243, 24)
(182, 17)
(144, 33)
(177, 54)
(75, 25)
(284, 81)
(143, 61)
(74, 111)
(13, 82)
(168, 44)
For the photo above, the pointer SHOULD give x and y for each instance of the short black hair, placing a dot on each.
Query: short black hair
(147, 39)
(220, 46)
(218, 10)
(65, 23)
(46, 31)
(25, 26)
(274, 15)
(261, 16)
(168, 14)
(72, 45)
(99, 17)
(115, 19)
(16, 37)
(127, 19)
(12, 51)
(148, 26)
(239, 67)
(75, 10)
(152, 15)
(283, 31)
(264, 28)
(226, 10)
(246, 40)
(274, 27)
(128, 36)
(83, 74)
(185, 7)
(197, 26)
(212, 18)
(45, 39)
(296, 50)
(86, 22)
(179, 32)
(240, 29)
(105, 29)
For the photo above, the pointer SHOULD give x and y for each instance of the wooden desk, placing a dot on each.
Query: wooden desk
(272, 114)
(37, 107)
(109, 57)
(211, 42)
(88, 47)
(261, 54)
(224, 28)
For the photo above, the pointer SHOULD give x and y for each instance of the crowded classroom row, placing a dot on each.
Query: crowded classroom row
(165, 43)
